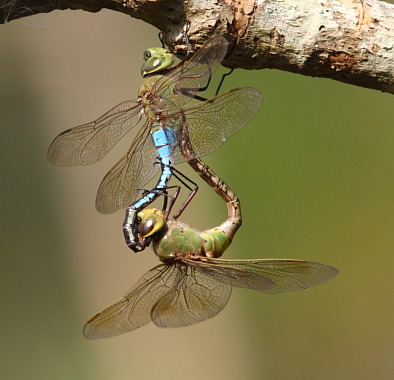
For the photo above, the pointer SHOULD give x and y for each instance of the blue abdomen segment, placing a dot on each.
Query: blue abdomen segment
(164, 139)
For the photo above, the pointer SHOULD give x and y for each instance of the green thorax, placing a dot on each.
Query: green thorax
(181, 241)
(145, 95)
(148, 83)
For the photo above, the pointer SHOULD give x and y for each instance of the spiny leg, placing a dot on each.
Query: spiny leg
(222, 80)
(177, 174)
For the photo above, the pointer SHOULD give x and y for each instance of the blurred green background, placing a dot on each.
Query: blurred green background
(314, 171)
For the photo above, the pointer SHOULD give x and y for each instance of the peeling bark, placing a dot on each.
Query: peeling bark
(347, 40)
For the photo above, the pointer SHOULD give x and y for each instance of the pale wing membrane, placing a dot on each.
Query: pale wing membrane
(89, 143)
(197, 297)
(180, 85)
(184, 294)
(211, 123)
(120, 186)
(134, 309)
(267, 275)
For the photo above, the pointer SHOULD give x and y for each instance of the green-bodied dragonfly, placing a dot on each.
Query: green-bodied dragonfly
(192, 284)
(161, 103)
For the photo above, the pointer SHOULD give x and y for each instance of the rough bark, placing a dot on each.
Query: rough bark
(347, 40)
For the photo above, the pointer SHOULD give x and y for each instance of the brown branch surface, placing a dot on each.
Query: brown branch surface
(347, 40)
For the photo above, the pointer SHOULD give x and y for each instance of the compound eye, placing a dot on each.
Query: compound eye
(147, 226)
(147, 54)
(149, 221)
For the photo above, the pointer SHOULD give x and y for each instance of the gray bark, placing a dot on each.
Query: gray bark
(347, 40)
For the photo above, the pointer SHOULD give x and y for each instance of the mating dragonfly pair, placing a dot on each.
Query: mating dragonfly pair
(192, 284)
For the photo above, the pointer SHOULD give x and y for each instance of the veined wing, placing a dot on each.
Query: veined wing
(197, 297)
(169, 295)
(212, 122)
(266, 275)
(89, 143)
(133, 310)
(181, 84)
(120, 186)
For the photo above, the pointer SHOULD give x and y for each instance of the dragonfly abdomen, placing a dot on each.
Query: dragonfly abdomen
(164, 139)
(215, 242)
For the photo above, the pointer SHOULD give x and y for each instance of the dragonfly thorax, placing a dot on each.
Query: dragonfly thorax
(147, 85)
(179, 241)
(145, 96)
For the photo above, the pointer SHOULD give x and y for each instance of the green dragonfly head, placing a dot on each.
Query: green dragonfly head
(156, 59)
(151, 220)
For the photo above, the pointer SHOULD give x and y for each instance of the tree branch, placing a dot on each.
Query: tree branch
(347, 40)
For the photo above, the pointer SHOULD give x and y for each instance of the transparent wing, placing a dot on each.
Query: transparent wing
(211, 123)
(266, 275)
(120, 186)
(134, 309)
(197, 297)
(90, 142)
(180, 85)
(169, 295)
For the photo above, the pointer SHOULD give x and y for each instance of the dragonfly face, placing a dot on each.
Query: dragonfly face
(156, 60)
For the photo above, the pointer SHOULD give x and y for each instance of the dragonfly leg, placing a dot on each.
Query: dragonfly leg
(167, 208)
(201, 98)
(164, 192)
(193, 190)
(189, 91)
(161, 38)
(222, 80)
(156, 190)
(186, 203)
(185, 33)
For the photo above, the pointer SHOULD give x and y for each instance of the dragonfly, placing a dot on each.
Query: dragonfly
(161, 106)
(193, 283)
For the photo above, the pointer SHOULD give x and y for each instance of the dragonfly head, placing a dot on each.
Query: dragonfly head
(150, 221)
(156, 59)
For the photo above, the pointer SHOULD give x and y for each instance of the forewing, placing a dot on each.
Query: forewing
(120, 186)
(90, 142)
(134, 309)
(212, 122)
(267, 275)
(181, 84)
(197, 297)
